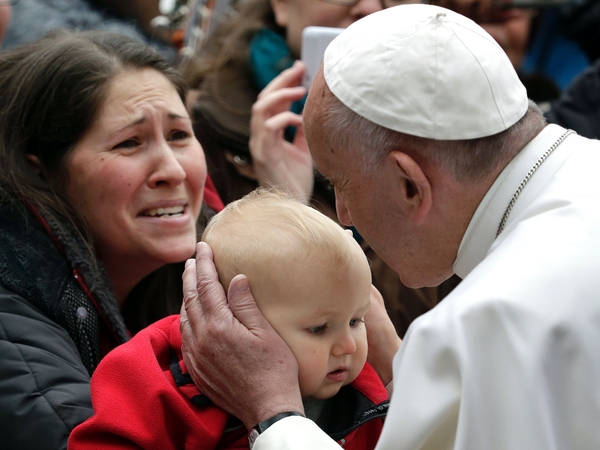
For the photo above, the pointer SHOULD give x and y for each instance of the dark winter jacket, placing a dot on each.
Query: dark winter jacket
(578, 108)
(52, 313)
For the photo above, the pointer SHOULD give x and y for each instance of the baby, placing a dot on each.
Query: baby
(311, 281)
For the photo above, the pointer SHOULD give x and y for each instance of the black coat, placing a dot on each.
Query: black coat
(579, 106)
(49, 330)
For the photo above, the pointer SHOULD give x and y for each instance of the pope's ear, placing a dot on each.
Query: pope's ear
(34, 162)
(414, 186)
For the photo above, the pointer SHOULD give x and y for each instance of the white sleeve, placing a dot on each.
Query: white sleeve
(497, 375)
(294, 433)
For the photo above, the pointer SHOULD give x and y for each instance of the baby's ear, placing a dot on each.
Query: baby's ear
(349, 231)
(34, 162)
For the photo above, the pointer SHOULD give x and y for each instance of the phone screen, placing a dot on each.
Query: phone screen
(314, 42)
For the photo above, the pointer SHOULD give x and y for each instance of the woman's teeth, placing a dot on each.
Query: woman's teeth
(160, 212)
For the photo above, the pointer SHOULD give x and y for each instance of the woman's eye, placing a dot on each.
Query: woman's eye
(317, 330)
(356, 322)
(178, 135)
(129, 143)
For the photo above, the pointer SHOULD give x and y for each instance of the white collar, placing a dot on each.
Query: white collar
(481, 232)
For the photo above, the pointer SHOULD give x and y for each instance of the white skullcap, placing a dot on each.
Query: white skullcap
(425, 71)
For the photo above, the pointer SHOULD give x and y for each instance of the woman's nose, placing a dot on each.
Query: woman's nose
(167, 169)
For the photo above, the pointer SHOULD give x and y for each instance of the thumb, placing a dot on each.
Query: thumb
(300, 137)
(243, 305)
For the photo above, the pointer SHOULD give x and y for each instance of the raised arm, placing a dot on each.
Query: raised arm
(278, 162)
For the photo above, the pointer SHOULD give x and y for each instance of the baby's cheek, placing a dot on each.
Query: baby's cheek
(312, 369)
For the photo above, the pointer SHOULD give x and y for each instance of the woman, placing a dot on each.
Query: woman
(247, 83)
(101, 188)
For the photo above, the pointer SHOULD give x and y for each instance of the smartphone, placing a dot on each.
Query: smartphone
(314, 42)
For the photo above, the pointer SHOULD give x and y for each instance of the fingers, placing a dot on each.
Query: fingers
(383, 341)
(281, 121)
(376, 297)
(280, 93)
(189, 281)
(300, 138)
(276, 102)
(244, 307)
(210, 291)
(190, 294)
(288, 78)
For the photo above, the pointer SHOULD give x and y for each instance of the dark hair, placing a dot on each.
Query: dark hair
(226, 53)
(50, 93)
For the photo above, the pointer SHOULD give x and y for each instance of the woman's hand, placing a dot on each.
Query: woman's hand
(278, 162)
(382, 337)
(231, 352)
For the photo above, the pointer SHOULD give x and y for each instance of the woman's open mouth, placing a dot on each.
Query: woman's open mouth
(173, 211)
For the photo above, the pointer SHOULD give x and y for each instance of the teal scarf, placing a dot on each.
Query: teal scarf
(269, 56)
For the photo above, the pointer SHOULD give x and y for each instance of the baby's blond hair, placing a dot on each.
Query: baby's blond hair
(268, 228)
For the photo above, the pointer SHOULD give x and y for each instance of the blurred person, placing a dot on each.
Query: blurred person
(444, 166)
(319, 313)
(5, 12)
(32, 19)
(100, 194)
(578, 108)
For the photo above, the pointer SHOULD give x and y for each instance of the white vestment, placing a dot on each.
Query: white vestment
(510, 360)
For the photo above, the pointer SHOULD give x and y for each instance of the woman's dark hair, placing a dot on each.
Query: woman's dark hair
(51, 92)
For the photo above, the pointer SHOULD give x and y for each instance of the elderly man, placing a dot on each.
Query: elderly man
(443, 165)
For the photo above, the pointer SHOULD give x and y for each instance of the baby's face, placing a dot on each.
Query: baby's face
(321, 321)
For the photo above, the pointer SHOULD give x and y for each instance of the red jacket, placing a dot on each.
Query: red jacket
(143, 398)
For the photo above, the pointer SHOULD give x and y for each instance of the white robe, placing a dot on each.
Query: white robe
(511, 358)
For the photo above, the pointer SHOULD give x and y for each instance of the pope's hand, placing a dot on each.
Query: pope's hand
(383, 340)
(231, 352)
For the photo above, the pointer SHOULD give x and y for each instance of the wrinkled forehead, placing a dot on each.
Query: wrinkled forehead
(317, 94)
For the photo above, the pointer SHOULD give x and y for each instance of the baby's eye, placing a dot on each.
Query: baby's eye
(356, 322)
(318, 329)
(129, 143)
